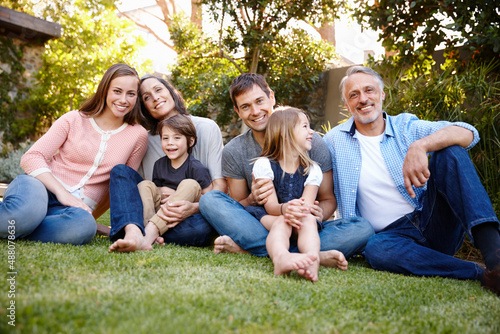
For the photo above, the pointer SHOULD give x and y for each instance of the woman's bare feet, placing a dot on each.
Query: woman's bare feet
(225, 244)
(132, 241)
(333, 259)
(288, 262)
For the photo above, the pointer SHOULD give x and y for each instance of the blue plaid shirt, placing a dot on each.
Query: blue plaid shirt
(400, 132)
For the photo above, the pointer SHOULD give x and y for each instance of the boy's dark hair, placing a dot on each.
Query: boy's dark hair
(181, 124)
(245, 82)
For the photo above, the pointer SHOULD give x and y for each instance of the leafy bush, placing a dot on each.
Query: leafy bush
(93, 38)
(11, 163)
(292, 64)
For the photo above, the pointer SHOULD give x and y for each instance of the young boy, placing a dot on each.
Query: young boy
(177, 176)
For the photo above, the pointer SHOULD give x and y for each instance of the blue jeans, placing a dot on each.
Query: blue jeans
(230, 218)
(423, 243)
(126, 208)
(37, 215)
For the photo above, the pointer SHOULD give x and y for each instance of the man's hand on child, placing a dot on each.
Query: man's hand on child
(261, 190)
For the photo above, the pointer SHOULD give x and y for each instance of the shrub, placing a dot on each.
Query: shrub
(11, 163)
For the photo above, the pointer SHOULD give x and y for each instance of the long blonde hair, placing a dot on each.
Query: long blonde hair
(279, 136)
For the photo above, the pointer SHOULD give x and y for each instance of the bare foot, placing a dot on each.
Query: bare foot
(103, 230)
(225, 244)
(288, 262)
(160, 241)
(133, 241)
(333, 259)
(310, 273)
(153, 235)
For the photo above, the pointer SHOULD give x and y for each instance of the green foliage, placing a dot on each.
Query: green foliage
(259, 41)
(93, 38)
(12, 87)
(11, 162)
(259, 22)
(295, 64)
(470, 94)
(417, 28)
(201, 74)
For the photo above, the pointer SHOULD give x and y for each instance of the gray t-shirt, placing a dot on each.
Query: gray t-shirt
(238, 154)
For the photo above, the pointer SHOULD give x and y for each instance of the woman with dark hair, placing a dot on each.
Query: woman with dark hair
(68, 168)
(160, 100)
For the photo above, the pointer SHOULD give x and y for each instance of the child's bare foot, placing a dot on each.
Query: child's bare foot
(133, 241)
(310, 273)
(153, 235)
(288, 262)
(160, 241)
(225, 244)
(333, 259)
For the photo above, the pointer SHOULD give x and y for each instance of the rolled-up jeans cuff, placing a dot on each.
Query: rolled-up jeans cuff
(159, 223)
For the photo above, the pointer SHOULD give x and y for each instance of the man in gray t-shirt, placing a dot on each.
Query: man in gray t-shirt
(240, 231)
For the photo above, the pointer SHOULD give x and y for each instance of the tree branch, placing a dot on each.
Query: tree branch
(165, 10)
(221, 55)
(221, 26)
(255, 60)
(146, 27)
(224, 55)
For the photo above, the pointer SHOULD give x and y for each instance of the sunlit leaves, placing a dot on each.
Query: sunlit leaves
(257, 36)
(419, 27)
(93, 38)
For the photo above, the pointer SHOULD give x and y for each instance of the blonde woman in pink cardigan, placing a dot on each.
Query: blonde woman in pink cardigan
(67, 169)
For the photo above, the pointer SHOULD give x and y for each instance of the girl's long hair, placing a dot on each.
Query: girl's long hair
(97, 103)
(149, 122)
(279, 139)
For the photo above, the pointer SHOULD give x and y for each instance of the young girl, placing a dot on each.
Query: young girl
(67, 169)
(178, 176)
(296, 181)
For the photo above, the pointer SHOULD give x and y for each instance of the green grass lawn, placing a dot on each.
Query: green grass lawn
(84, 289)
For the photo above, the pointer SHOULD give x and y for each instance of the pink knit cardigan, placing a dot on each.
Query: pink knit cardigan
(81, 155)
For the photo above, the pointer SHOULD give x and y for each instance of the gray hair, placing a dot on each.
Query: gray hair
(360, 69)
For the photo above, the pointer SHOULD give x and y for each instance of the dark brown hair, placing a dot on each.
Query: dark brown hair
(181, 124)
(244, 83)
(145, 118)
(97, 103)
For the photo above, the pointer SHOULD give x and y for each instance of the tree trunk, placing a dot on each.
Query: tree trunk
(168, 8)
(327, 32)
(196, 13)
(255, 61)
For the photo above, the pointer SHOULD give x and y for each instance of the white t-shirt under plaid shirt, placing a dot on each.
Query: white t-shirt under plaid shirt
(400, 132)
